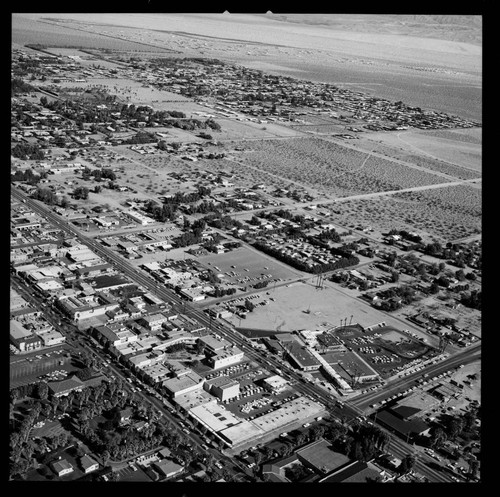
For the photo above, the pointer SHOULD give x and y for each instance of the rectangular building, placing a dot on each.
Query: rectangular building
(223, 388)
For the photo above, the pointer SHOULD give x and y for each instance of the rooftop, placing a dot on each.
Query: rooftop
(319, 455)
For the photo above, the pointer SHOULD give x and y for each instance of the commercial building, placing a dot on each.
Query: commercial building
(167, 468)
(192, 294)
(153, 322)
(64, 387)
(223, 388)
(51, 338)
(213, 344)
(275, 384)
(226, 357)
(302, 357)
(138, 217)
(187, 383)
(401, 420)
(23, 339)
(81, 308)
(320, 457)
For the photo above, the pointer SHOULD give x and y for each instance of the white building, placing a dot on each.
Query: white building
(275, 384)
(223, 388)
(225, 357)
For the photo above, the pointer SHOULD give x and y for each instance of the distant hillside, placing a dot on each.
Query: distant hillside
(462, 28)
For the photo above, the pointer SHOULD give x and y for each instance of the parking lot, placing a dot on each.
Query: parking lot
(246, 267)
(254, 400)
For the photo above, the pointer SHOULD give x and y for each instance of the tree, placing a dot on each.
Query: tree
(407, 464)
(438, 437)
(42, 390)
(473, 466)
(55, 403)
(14, 395)
(81, 192)
(250, 306)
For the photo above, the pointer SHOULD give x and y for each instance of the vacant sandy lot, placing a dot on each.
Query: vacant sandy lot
(444, 213)
(456, 147)
(326, 308)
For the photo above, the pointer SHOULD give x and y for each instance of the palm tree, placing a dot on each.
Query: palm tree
(55, 403)
(64, 404)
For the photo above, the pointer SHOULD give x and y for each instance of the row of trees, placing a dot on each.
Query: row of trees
(29, 151)
(28, 176)
(304, 266)
(98, 174)
(18, 86)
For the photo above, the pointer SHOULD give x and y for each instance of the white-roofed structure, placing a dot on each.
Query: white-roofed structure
(186, 383)
(275, 384)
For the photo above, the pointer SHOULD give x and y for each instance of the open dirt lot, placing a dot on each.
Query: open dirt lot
(437, 148)
(326, 308)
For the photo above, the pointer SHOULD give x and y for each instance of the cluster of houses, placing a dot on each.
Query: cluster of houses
(235, 89)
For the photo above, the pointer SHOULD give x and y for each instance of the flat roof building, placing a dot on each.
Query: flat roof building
(275, 384)
(225, 357)
(168, 468)
(302, 356)
(187, 383)
(320, 457)
(223, 388)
